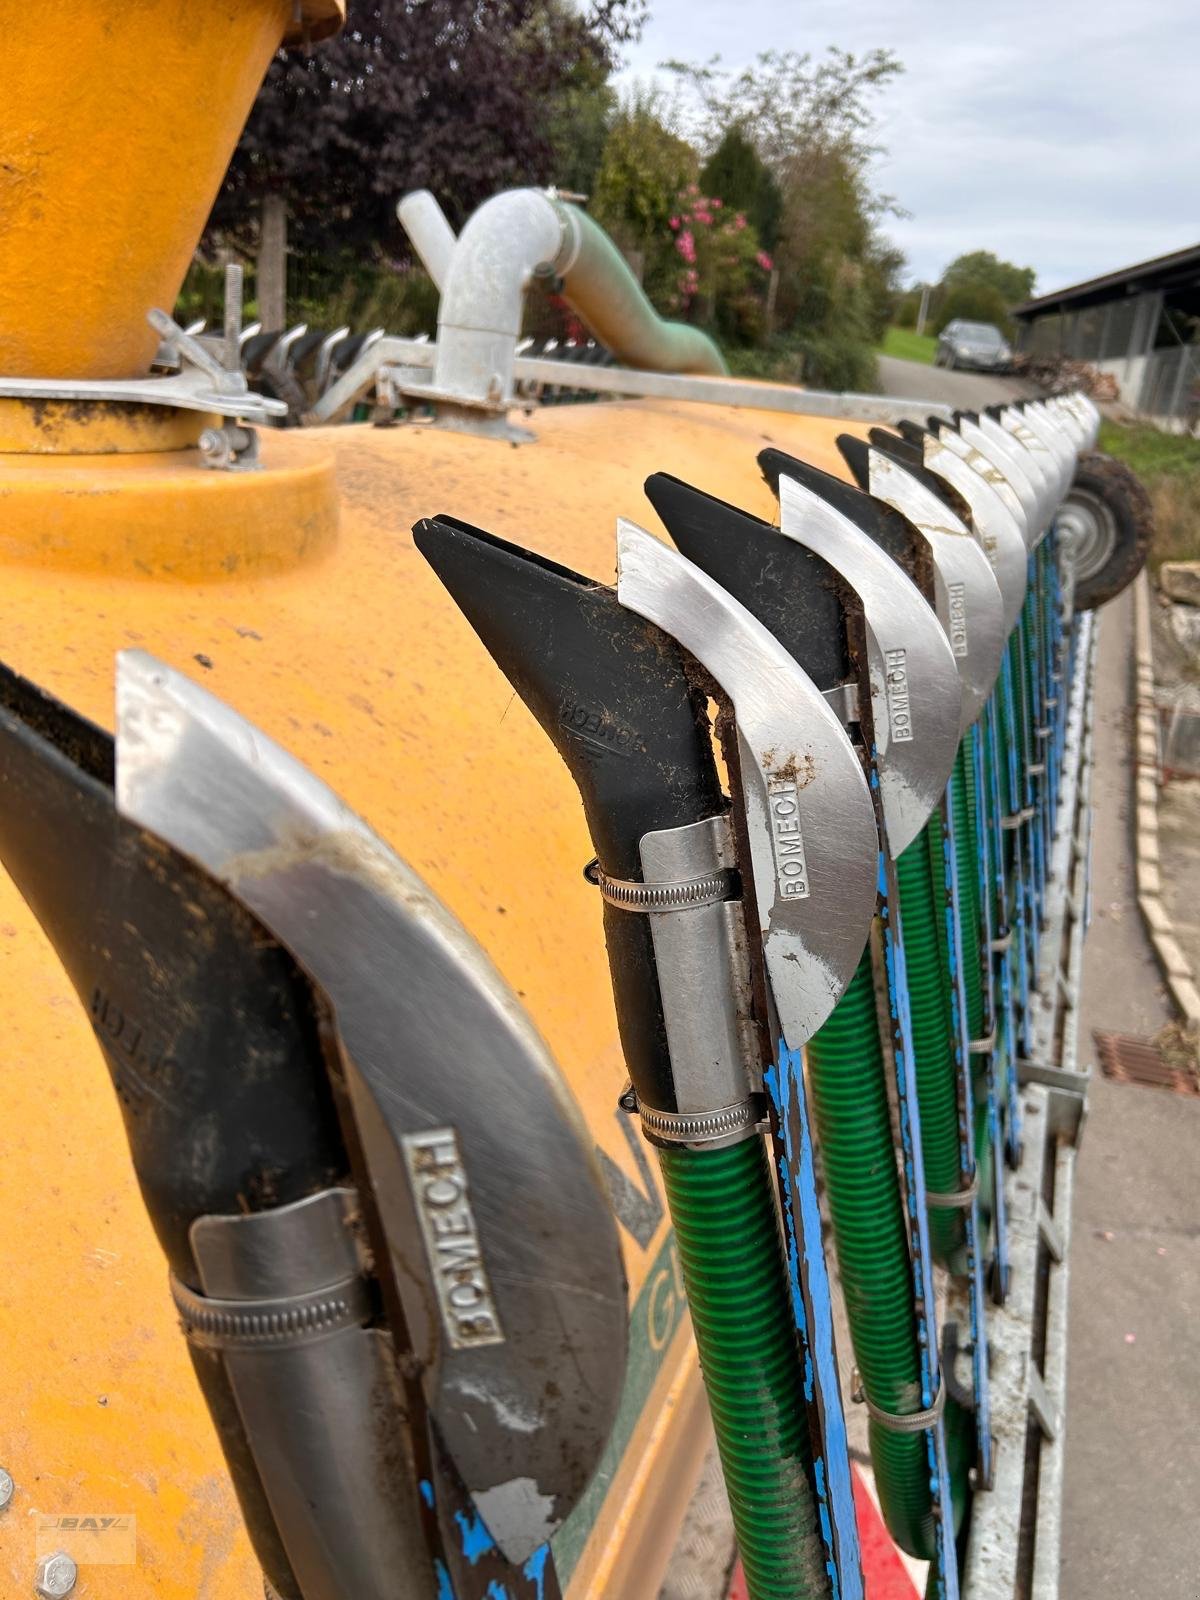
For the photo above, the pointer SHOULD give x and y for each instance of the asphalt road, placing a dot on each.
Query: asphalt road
(912, 380)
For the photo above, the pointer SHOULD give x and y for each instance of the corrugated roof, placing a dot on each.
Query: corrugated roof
(1143, 274)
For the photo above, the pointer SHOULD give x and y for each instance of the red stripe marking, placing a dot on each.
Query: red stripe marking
(884, 1573)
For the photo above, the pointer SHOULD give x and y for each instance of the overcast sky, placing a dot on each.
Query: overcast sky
(1062, 135)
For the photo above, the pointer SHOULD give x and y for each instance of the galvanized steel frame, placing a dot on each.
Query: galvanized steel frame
(403, 368)
(1054, 1099)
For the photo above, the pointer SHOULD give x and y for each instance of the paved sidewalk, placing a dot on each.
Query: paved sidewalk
(1130, 1529)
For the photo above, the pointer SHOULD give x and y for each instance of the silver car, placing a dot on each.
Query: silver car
(973, 344)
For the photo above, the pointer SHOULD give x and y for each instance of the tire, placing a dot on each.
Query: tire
(1108, 515)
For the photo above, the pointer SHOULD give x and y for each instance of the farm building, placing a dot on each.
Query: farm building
(1141, 324)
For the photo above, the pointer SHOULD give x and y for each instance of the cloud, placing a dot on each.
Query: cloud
(1062, 136)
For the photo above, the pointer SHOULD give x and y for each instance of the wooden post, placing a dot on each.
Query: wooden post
(772, 291)
(271, 277)
(923, 313)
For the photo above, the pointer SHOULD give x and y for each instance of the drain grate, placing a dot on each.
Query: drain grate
(1128, 1059)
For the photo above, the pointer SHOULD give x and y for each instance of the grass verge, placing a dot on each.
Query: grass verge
(906, 345)
(1169, 465)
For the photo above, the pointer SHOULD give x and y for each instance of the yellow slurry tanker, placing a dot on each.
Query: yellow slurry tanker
(531, 936)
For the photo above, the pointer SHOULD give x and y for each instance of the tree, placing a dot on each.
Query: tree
(457, 96)
(736, 173)
(980, 267)
(644, 171)
(811, 123)
(973, 302)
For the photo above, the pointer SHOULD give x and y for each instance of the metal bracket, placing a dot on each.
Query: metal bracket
(230, 449)
(843, 700)
(200, 382)
(1066, 1107)
(1041, 1407)
(1050, 1231)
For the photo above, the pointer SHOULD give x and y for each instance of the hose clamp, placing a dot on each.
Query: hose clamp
(984, 1046)
(1045, 730)
(959, 1200)
(1017, 819)
(1036, 769)
(283, 1320)
(912, 1421)
(729, 1125)
(656, 899)
(1002, 945)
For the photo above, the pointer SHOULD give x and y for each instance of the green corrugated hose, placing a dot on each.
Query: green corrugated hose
(924, 927)
(854, 1132)
(965, 803)
(723, 1208)
(962, 805)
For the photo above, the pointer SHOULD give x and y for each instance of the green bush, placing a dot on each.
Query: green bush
(324, 294)
(974, 302)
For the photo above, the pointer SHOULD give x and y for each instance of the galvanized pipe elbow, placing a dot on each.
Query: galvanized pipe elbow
(503, 244)
(515, 237)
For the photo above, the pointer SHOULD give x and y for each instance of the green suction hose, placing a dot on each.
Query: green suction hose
(964, 802)
(854, 1133)
(921, 907)
(722, 1206)
(963, 808)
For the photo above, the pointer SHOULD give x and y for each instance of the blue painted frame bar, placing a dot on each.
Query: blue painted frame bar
(952, 919)
(945, 1586)
(812, 1312)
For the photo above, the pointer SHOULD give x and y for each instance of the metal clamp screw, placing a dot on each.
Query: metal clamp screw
(55, 1576)
(230, 449)
(6, 1488)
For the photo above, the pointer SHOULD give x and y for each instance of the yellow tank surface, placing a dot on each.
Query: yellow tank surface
(119, 122)
(348, 651)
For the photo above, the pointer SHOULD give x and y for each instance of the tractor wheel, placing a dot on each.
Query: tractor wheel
(1108, 518)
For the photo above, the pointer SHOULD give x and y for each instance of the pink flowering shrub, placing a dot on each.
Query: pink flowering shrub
(722, 280)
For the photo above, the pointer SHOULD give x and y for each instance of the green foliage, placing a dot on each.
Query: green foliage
(723, 271)
(325, 293)
(735, 173)
(1169, 465)
(980, 267)
(807, 358)
(973, 302)
(398, 298)
(810, 123)
(577, 127)
(907, 307)
(908, 346)
(644, 169)
(1151, 452)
